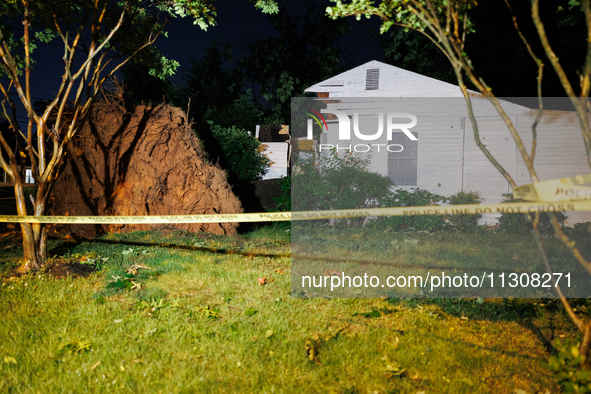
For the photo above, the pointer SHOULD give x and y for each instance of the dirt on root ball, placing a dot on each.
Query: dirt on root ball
(145, 162)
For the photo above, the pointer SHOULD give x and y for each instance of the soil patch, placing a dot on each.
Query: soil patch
(58, 269)
(65, 268)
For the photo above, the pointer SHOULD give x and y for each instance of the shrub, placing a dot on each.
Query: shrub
(243, 154)
(340, 181)
(415, 197)
(284, 200)
(566, 367)
(516, 222)
(244, 113)
(582, 228)
(578, 230)
(465, 222)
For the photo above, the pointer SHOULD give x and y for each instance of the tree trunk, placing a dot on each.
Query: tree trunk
(585, 346)
(34, 235)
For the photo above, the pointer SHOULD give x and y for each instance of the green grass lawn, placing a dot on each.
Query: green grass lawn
(383, 254)
(200, 320)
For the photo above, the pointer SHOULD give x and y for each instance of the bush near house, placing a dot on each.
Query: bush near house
(466, 222)
(516, 223)
(284, 200)
(413, 198)
(337, 182)
(243, 154)
(344, 183)
(579, 229)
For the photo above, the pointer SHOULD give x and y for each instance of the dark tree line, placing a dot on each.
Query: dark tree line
(308, 48)
(496, 49)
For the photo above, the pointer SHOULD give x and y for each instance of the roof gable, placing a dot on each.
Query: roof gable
(377, 79)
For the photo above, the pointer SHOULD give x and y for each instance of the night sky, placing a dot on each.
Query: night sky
(238, 23)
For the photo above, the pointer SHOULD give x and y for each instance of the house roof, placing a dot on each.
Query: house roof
(377, 79)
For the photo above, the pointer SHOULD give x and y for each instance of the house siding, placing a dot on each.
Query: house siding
(277, 153)
(560, 151)
(449, 160)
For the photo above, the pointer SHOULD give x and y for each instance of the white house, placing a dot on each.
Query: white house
(5, 180)
(445, 159)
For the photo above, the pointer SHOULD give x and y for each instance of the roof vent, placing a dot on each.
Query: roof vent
(372, 79)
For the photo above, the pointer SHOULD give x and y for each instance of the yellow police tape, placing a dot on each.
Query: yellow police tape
(548, 196)
(556, 190)
(515, 207)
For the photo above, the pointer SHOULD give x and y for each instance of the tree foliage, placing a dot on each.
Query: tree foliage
(213, 84)
(414, 52)
(303, 51)
(141, 88)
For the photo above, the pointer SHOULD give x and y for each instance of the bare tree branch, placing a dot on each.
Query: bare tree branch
(579, 106)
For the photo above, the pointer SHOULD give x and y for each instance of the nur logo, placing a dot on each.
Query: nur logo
(392, 120)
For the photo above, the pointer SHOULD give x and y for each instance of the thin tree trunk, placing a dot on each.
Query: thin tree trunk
(34, 235)
(585, 346)
(30, 255)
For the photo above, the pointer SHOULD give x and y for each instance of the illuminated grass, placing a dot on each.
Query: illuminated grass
(202, 323)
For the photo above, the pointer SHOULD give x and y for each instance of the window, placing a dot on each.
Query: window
(29, 176)
(402, 166)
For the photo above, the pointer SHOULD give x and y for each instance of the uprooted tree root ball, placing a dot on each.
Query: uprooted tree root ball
(145, 162)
